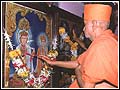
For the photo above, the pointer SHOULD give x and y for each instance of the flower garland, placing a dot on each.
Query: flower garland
(66, 38)
(53, 53)
(21, 69)
(23, 72)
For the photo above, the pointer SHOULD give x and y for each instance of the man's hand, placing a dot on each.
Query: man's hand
(47, 59)
(64, 64)
(74, 35)
(81, 43)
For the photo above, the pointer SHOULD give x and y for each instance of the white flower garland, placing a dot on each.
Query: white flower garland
(23, 72)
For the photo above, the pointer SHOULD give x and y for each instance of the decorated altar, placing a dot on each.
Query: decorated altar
(31, 30)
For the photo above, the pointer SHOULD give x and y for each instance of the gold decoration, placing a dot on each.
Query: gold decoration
(7, 69)
(48, 27)
(41, 16)
(11, 11)
(24, 24)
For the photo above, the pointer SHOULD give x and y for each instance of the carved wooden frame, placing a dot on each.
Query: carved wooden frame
(10, 26)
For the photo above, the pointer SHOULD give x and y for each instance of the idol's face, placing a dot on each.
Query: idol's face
(23, 40)
(42, 38)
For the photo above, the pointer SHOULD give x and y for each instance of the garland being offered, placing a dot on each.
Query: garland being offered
(66, 38)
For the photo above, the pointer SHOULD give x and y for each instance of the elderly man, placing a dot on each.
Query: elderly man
(97, 67)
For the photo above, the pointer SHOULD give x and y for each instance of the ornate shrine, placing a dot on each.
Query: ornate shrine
(22, 66)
